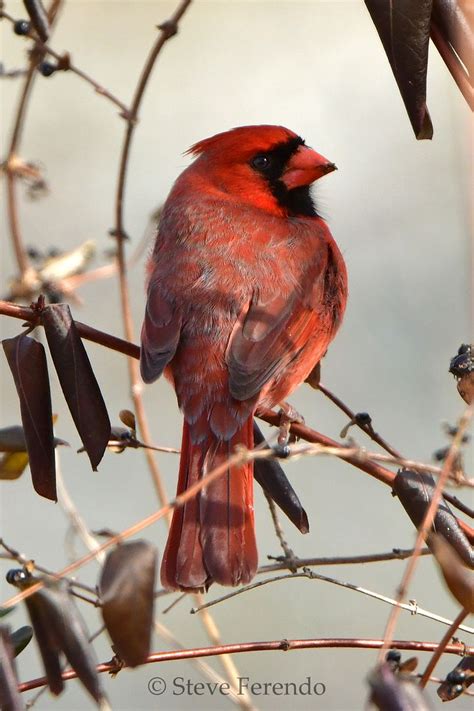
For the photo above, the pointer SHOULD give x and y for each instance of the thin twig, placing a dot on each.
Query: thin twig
(457, 624)
(290, 560)
(24, 266)
(76, 521)
(283, 645)
(425, 527)
(395, 554)
(413, 607)
(44, 48)
(368, 429)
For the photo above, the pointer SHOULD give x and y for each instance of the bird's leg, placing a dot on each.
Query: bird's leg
(288, 415)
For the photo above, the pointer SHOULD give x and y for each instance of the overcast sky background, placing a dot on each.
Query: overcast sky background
(398, 208)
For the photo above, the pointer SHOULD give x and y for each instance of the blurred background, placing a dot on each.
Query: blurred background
(398, 208)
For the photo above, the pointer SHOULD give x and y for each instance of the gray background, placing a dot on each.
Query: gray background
(399, 210)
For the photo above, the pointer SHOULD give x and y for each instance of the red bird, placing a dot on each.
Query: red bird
(246, 290)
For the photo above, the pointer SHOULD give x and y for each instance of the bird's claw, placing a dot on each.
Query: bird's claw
(288, 415)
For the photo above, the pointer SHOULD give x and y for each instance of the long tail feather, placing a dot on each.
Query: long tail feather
(212, 538)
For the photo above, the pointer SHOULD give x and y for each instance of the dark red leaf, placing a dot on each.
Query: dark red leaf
(389, 692)
(38, 17)
(10, 697)
(415, 491)
(274, 482)
(78, 381)
(59, 628)
(404, 29)
(127, 595)
(455, 20)
(27, 361)
(458, 578)
(457, 680)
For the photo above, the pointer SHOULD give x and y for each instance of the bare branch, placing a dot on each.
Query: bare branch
(413, 607)
(284, 645)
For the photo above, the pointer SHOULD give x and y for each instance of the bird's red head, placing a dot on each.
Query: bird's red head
(267, 166)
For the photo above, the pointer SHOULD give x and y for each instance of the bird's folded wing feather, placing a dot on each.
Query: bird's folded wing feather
(160, 334)
(272, 331)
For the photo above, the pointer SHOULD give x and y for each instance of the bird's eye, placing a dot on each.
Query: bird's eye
(261, 162)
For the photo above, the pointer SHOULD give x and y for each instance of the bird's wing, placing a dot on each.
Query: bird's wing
(160, 334)
(271, 332)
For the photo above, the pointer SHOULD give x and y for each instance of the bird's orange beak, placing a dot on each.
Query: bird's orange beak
(304, 167)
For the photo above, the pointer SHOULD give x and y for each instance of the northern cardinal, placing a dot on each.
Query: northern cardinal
(246, 290)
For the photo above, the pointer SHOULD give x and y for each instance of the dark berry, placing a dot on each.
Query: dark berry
(21, 27)
(363, 418)
(457, 676)
(33, 253)
(47, 68)
(17, 576)
(282, 451)
(441, 454)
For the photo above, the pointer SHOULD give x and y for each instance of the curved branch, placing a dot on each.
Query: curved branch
(283, 645)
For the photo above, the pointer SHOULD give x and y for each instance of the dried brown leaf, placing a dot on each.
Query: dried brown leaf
(404, 29)
(415, 491)
(459, 579)
(273, 480)
(10, 697)
(127, 594)
(77, 380)
(128, 419)
(27, 360)
(59, 628)
(389, 692)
